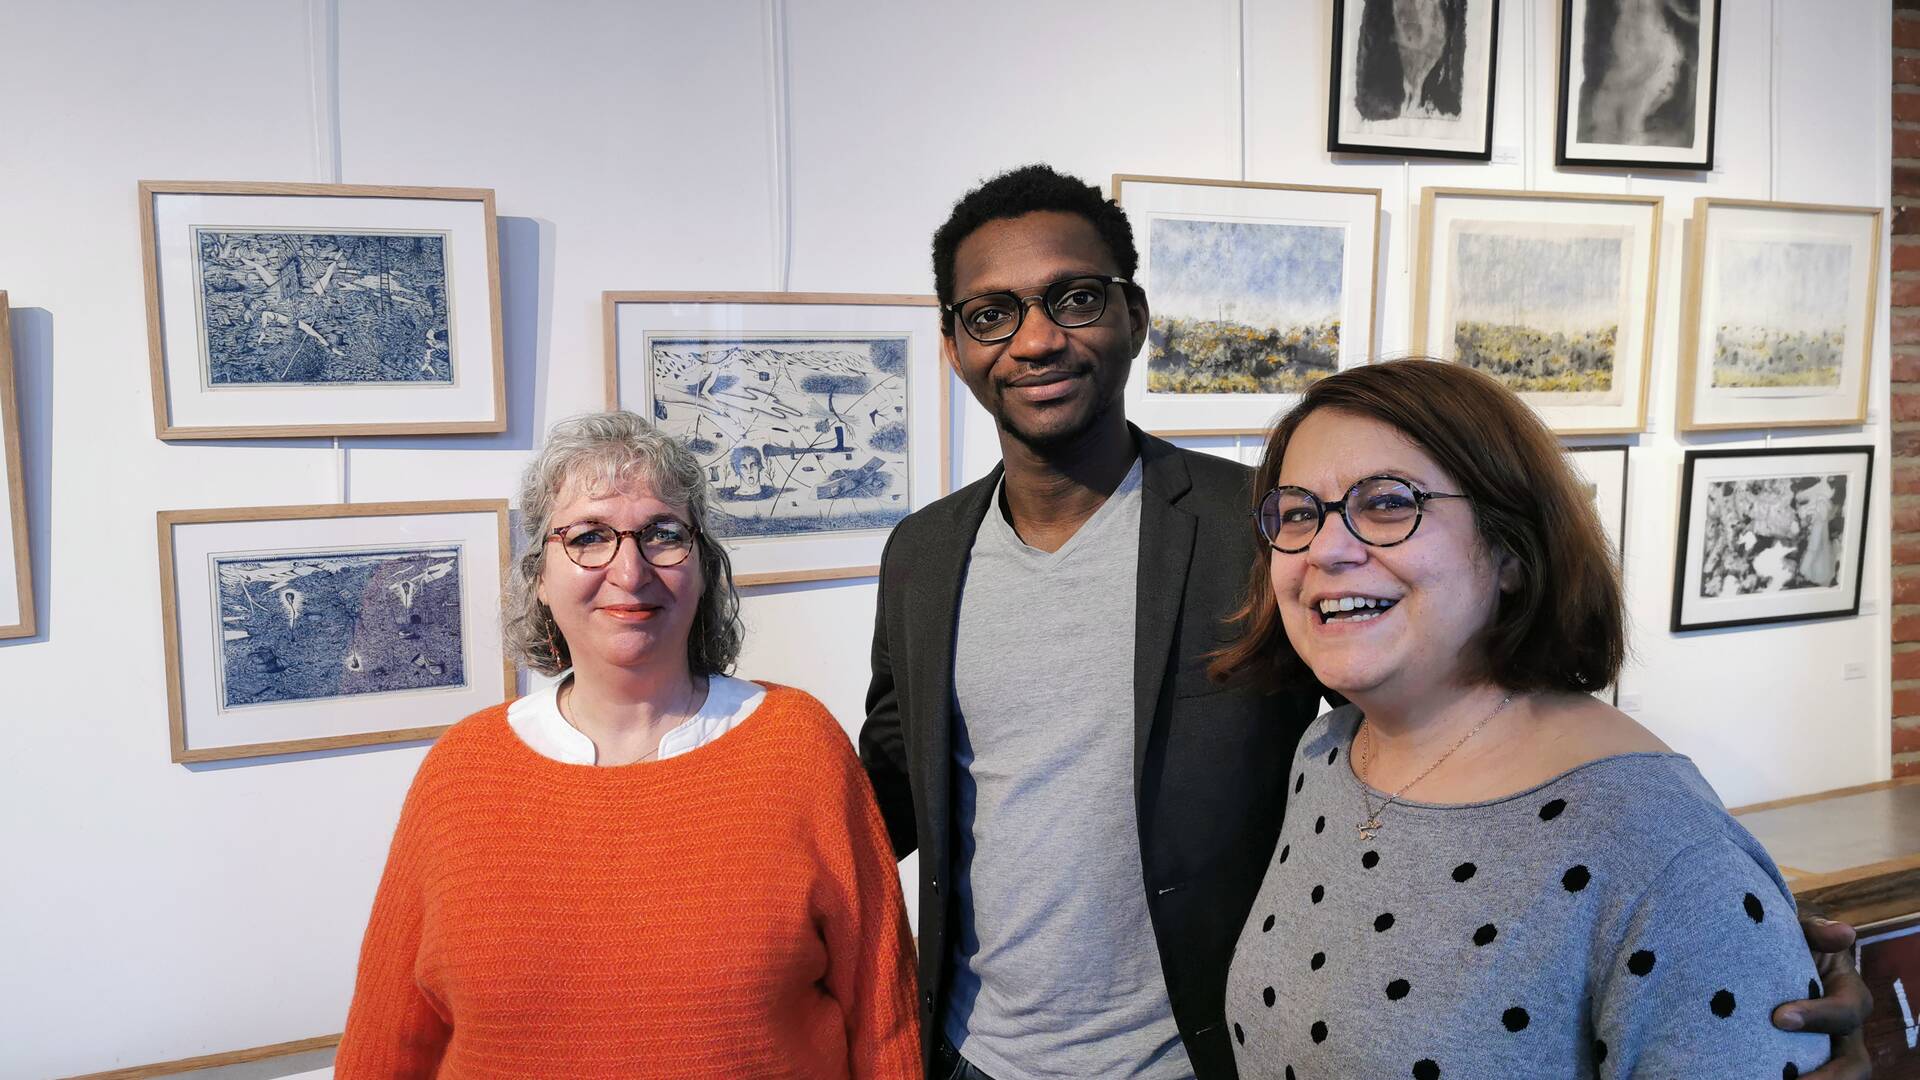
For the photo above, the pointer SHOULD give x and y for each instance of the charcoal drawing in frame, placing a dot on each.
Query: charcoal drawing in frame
(298, 628)
(1771, 535)
(821, 419)
(1551, 293)
(1778, 318)
(1413, 78)
(16, 565)
(1637, 83)
(1256, 291)
(322, 309)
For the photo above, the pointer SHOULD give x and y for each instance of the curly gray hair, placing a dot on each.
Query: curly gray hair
(614, 451)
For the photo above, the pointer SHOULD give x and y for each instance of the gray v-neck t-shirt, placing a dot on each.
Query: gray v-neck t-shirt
(1614, 921)
(1055, 970)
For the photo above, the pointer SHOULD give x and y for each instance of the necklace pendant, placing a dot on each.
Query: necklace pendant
(1368, 828)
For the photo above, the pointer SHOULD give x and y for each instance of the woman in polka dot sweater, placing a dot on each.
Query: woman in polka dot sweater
(1484, 870)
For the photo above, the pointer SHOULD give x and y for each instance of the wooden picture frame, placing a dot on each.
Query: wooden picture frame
(16, 562)
(279, 310)
(1375, 107)
(1204, 244)
(1786, 349)
(1728, 573)
(1573, 276)
(790, 510)
(391, 610)
(1605, 119)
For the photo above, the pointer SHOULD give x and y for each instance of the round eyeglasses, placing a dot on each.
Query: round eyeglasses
(1380, 511)
(593, 544)
(994, 317)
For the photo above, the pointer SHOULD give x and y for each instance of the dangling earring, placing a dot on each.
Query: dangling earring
(553, 647)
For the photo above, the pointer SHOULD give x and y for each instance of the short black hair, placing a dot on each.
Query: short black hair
(1023, 191)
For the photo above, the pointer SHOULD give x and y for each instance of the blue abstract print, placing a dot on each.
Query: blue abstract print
(322, 308)
(797, 434)
(308, 626)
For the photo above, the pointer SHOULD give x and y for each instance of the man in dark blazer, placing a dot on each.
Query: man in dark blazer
(1202, 766)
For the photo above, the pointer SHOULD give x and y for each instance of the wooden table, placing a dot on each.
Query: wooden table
(1854, 855)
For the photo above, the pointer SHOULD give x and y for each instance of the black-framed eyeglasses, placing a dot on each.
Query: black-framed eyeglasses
(593, 544)
(994, 317)
(1380, 511)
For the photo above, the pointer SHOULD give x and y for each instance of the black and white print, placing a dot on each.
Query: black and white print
(1636, 82)
(1413, 77)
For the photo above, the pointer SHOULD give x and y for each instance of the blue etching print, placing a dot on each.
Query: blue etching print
(295, 308)
(797, 434)
(308, 626)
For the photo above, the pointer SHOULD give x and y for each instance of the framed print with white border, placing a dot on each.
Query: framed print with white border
(821, 419)
(1551, 293)
(1421, 86)
(1637, 84)
(1771, 535)
(1256, 291)
(1603, 471)
(279, 310)
(16, 568)
(296, 628)
(1777, 328)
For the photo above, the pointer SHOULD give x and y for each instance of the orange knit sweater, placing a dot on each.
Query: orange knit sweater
(730, 912)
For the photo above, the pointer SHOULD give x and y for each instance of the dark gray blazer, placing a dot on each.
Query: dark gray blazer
(1209, 763)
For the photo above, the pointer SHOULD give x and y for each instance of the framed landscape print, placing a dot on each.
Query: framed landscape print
(1413, 78)
(1256, 292)
(1637, 83)
(1777, 330)
(321, 309)
(296, 628)
(1552, 294)
(1771, 536)
(821, 418)
(16, 568)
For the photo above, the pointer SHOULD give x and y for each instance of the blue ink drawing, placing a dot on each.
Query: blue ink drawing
(322, 308)
(1243, 307)
(797, 434)
(309, 626)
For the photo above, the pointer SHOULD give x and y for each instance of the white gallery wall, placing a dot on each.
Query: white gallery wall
(151, 911)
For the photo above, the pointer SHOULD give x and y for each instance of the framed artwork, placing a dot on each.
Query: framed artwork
(16, 568)
(1256, 292)
(1771, 536)
(822, 419)
(1637, 83)
(321, 309)
(1413, 78)
(295, 628)
(1550, 293)
(1602, 471)
(1778, 325)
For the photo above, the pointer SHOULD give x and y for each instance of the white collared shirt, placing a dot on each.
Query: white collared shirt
(536, 719)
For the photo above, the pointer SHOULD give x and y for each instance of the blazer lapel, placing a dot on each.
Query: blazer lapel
(1166, 548)
(938, 574)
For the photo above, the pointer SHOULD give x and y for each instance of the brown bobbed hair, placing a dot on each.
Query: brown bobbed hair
(1561, 627)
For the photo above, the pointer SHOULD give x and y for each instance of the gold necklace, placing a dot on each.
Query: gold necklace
(1371, 826)
(686, 713)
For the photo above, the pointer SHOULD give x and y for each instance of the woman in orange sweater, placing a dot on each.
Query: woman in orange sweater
(649, 868)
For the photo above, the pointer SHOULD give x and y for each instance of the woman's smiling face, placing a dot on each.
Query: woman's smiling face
(1414, 611)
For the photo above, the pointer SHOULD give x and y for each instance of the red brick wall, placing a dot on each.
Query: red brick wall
(1905, 298)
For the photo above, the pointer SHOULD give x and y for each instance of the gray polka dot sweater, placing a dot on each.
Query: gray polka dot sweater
(1612, 922)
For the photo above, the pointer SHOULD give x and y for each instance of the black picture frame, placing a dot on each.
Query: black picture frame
(1618, 525)
(1337, 143)
(1661, 116)
(1689, 490)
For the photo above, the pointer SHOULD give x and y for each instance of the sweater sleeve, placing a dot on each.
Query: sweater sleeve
(1710, 948)
(393, 1028)
(864, 923)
